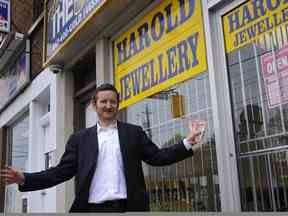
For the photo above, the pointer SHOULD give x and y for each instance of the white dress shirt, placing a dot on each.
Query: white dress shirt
(108, 182)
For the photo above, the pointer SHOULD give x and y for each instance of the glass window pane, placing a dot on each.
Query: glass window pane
(19, 134)
(190, 185)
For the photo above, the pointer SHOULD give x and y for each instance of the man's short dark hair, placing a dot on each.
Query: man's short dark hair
(107, 87)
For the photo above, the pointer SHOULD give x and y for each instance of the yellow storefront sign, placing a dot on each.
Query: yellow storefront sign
(248, 22)
(165, 47)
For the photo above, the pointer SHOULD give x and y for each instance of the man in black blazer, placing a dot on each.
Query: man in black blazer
(106, 161)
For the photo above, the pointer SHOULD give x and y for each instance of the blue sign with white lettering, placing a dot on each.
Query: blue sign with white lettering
(64, 17)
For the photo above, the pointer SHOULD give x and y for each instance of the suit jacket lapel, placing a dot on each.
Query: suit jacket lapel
(91, 155)
(123, 141)
(92, 149)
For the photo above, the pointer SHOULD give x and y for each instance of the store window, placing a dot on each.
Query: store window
(161, 71)
(190, 185)
(14, 78)
(256, 53)
(18, 140)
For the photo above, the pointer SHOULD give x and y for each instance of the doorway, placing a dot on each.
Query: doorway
(85, 84)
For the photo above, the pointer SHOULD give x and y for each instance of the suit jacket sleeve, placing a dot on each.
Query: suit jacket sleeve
(65, 170)
(155, 156)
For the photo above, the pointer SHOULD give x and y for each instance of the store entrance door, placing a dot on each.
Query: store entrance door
(90, 115)
(84, 86)
(85, 114)
(257, 69)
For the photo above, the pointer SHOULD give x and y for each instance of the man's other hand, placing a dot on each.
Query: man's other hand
(11, 176)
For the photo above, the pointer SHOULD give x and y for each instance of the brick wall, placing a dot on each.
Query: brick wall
(36, 41)
(21, 15)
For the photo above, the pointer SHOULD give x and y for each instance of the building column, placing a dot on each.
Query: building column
(35, 153)
(222, 116)
(61, 122)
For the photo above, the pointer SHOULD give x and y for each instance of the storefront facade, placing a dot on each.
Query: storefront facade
(174, 61)
(180, 60)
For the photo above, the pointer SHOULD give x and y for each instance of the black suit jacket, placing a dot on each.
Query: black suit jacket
(80, 157)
